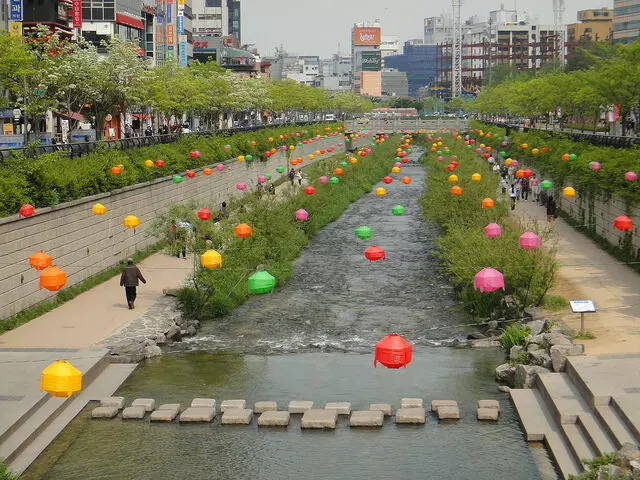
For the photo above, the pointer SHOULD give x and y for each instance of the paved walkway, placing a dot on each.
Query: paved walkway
(589, 273)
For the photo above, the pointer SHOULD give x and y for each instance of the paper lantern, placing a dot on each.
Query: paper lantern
(116, 170)
(545, 149)
(387, 180)
(191, 173)
(456, 190)
(528, 173)
(177, 179)
(392, 351)
(334, 180)
(243, 230)
(363, 232)
(535, 151)
(520, 174)
(98, 209)
(227, 147)
(487, 203)
(61, 379)
(514, 163)
(291, 147)
(159, 163)
(211, 259)
(148, 163)
(623, 223)
(453, 178)
(302, 215)
(395, 170)
(248, 158)
(488, 280)
(273, 151)
(40, 260)
(131, 221)
(219, 167)
(406, 180)
(572, 156)
(280, 169)
(397, 210)
(569, 192)
(262, 179)
(261, 282)
(374, 253)
(545, 185)
(323, 179)
(631, 176)
(595, 166)
(476, 177)
(241, 158)
(194, 153)
(253, 143)
(309, 190)
(405, 160)
(565, 157)
(241, 186)
(52, 278)
(207, 171)
(310, 157)
(381, 192)
(529, 241)
(204, 214)
(493, 230)
(503, 154)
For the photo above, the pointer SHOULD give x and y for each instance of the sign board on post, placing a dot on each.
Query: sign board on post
(169, 15)
(366, 36)
(15, 10)
(15, 29)
(170, 35)
(582, 307)
(183, 51)
(76, 13)
(180, 23)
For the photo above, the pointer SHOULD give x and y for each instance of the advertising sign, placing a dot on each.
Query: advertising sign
(180, 24)
(371, 61)
(76, 13)
(15, 10)
(366, 36)
(182, 59)
(169, 12)
(170, 35)
(15, 29)
(159, 35)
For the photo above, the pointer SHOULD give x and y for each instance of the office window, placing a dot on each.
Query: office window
(213, 3)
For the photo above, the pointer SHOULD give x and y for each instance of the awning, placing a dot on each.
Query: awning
(129, 21)
(141, 116)
(73, 116)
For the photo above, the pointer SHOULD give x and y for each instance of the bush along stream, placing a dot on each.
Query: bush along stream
(278, 237)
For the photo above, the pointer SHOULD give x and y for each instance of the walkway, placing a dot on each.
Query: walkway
(587, 272)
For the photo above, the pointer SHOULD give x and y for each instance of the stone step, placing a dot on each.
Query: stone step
(104, 385)
(614, 425)
(628, 409)
(596, 434)
(577, 442)
(562, 397)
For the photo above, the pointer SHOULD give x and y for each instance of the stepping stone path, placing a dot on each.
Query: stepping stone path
(385, 408)
(204, 402)
(319, 418)
(117, 402)
(166, 412)
(411, 403)
(231, 404)
(342, 408)
(104, 412)
(149, 404)
(410, 415)
(448, 413)
(488, 410)
(366, 418)
(271, 418)
(134, 412)
(237, 416)
(197, 414)
(300, 406)
(260, 407)
(435, 404)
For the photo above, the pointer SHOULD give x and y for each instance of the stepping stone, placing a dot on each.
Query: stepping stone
(272, 418)
(488, 414)
(165, 414)
(435, 404)
(343, 408)
(260, 407)
(410, 415)
(366, 418)
(135, 411)
(383, 407)
(204, 402)
(197, 414)
(117, 402)
(299, 406)
(169, 406)
(231, 404)
(448, 413)
(319, 418)
(148, 403)
(104, 412)
(237, 416)
(411, 403)
(489, 404)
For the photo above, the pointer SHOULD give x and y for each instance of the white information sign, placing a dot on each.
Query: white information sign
(582, 306)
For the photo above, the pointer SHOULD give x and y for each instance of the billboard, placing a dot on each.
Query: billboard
(366, 36)
(371, 61)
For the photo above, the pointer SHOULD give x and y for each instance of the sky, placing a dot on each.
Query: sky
(303, 27)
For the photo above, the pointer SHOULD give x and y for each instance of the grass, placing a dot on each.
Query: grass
(70, 293)
(554, 303)
(586, 336)
(6, 474)
(513, 335)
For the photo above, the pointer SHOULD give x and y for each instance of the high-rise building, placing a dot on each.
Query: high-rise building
(595, 25)
(104, 19)
(4, 16)
(389, 45)
(626, 20)
(419, 62)
(51, 13)
(365, 51)
(234, 20)
(438, 29)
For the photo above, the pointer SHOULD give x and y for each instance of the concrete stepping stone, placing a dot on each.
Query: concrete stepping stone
(383, 407)
(488, 414)
(343, 408)
(366, 418)
(117, 402)
(448, 413)
(272, 418)
(134, 412)
(319, 418)
(169, 406)
(411, 403)
(410, 415)
(489, 404)
(204, 402)
(299, 406)
(261, 407)
(231, 404)
(435, 404)
(197, 414)
(165, 414)
(149, 404)
(104, 412)
(237, 416)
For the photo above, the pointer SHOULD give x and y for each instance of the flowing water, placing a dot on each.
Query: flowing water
(313, 340)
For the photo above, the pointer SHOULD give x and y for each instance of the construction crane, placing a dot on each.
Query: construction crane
(558, 26)
(456, 60)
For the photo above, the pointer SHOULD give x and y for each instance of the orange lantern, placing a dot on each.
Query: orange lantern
(487, 203)
(565, 157)
(243, 230)
(253, 143)
(338, 171)
(115, 170)
(207, 171)
(406, 180)
(40, 260)
(52, 278)
(456, 190)
(273, 150)
(520, 174)
(393, 351)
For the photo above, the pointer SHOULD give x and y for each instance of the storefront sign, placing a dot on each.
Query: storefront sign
(76, 13)
(170, 34)
(15, 29)
(183, 51)
(169, 12)
(180, 25)
(15, 10)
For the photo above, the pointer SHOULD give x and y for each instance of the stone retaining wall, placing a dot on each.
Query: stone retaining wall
(83, 244)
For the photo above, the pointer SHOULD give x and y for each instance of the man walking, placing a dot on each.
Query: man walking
(129, 279)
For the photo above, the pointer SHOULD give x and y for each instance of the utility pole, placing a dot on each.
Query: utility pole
(456, 61)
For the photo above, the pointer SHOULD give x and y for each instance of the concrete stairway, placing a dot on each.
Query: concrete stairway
(38, 419)
(574, 416)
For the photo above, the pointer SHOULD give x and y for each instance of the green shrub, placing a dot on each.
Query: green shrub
(554, 303)
(513, 335)
(5, 474)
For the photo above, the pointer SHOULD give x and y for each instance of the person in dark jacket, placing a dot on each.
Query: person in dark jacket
(129, 280)
(551, 211)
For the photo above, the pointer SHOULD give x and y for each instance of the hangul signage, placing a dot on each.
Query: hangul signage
(15, 10)
(170, 34)
(169, 12)
(180, 24)
(76, 13)
(183, 52)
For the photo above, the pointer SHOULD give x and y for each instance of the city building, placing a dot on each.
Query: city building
(438, 30)
(595, 25)
(302, 69)
(389, 45)
(52, 13)
(365, 51)
(335, 73)
(4, 16)
(100, 20)
(419, 62)
(384, 83)
(626, 20)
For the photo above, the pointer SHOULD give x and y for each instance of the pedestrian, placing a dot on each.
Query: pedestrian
(259, 190)
(292, 175)
(534, 183)
(504, 183)
(513, 195)
(272, 189)
(184, 235)
(129, 280)
(524, 184)
(299, 176)
(551, 211)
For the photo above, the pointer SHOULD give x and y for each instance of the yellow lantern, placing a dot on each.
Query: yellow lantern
(121, 167)
(317, 152)
(292, 147)
(311, 156)
(211, 259)
(149, 163)
(353, 160)
(98, 209)
(482, 145)
(61, 379)
(439, 144)
(476, 177)
(535, 151)
(395, 170)
(131, 221)
(569, 192)
(508, 161)
(453, 178)
(241, 158)
(380, 192)
(459, 137)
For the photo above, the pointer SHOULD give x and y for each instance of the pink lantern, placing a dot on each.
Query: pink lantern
(504, 144)
(302, 215)
(492, 230)
(631, 176)
(241, 186)
(478, 150)
(488, 280)
(323, 179)
(514, 163)
(219, 167)
(340, 144)
(440, 158)
(283, 148)
(529, 240)
(397, 164)
(262, 179)
(595, 166)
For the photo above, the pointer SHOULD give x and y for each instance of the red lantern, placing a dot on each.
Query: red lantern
(392, 351)
(623, 223)
(387, 180)
(451, 167)
(486, 156)
(404, 160)
(374, 253)
(193, 154)
(528, 173)
(204, 214)
(191, 173)
(267, 154)
(159, 163)
(26, 210)
(309, 190)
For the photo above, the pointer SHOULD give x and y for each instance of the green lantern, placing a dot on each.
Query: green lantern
(397, 159)
(363, 232)
(248, 158)
(545, 185)
(572, 157)
(268, 176)
(334, 180)
(177, 179)
(261, 282)
(300, 144)
(439, 152)
(503, 154)
(469, 147)
(280, 169)
(344, 164)
(397, 210)
(409, 150)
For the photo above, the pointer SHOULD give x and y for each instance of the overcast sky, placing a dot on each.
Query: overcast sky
(316, 28)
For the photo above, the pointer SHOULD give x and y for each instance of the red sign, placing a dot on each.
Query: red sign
(170, 35)
(76, 13)
(366, 36)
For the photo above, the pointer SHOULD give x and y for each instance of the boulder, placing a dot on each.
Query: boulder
(475, 336)
(492, 325)
(490, 342)
(190, 331)
(559, 354)
(180, 320)
(151, 351)
(385, 408)
(514, 352)
(628, 453)
(525, 376)
(488, 414)
(505, 373)
(112, 402)
(555, 338)
(635, 467)
(534, 347)
(161, 339)
(127, 351)
(535, 340)
(531, 313)
(319, 418)
(541, 358)
(536, 327)
(174, 334)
